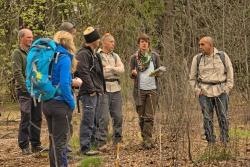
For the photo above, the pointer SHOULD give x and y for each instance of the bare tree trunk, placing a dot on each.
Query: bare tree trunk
(223, 26)
(167, 36)
(246, 48)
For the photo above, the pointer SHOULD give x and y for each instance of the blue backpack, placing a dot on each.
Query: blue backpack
(39, 66)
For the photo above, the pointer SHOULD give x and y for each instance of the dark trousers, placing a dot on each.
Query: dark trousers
(70, 127)
(56, 113)
(220, 105)
(89, 124)
(31, 121)
(146, 113)
(111, 105)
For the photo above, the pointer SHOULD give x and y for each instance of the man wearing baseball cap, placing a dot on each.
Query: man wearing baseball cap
(69, 27)
(90, 71)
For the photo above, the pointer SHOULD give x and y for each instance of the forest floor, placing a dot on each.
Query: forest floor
(169, 150)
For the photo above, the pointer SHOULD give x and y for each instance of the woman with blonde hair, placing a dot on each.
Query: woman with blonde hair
(58, 109)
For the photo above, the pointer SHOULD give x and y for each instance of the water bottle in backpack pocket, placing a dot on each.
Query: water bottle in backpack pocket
(39, 66)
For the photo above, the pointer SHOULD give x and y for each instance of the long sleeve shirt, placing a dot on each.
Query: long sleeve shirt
(18, 67)
(211, 70)
(137, 78)
(112, 68)
(61, 76)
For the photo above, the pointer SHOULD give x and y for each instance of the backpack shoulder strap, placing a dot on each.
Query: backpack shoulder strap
(222, 57)
(51, 65)
(198, 58)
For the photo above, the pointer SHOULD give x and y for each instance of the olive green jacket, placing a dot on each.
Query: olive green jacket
(18, 68)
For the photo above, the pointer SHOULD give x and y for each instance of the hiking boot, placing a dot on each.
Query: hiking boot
(148, 145)
(203, 136)
(91, 153)
(69, 149)
(26, 151)
(39, 149)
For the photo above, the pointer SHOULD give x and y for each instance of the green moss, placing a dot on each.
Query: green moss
(91, 162)
(239, 133)
(215, 153)
(74, 142)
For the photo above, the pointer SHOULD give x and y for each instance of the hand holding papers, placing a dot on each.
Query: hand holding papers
(158, 72)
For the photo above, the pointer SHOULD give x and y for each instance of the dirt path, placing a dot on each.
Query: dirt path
(131, 154)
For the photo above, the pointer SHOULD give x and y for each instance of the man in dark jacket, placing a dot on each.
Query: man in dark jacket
(31, 117)
(90, 71)
(142, 64)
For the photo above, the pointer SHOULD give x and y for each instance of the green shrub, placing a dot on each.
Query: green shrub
(239, 133)
(215, 153)
(91, 162)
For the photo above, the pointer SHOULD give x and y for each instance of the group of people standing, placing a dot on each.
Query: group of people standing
(96, 72)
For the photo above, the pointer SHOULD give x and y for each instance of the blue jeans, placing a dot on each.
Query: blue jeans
(220, 105)
(88, 122)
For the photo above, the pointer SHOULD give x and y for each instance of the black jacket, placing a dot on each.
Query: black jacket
(90, 70)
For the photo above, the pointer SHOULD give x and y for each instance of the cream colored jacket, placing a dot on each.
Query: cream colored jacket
(112, 68)
(212, 70)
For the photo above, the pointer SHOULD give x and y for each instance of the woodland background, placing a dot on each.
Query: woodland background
(174, 26)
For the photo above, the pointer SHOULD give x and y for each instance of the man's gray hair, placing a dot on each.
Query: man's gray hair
(208, 39)
(22, 32)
